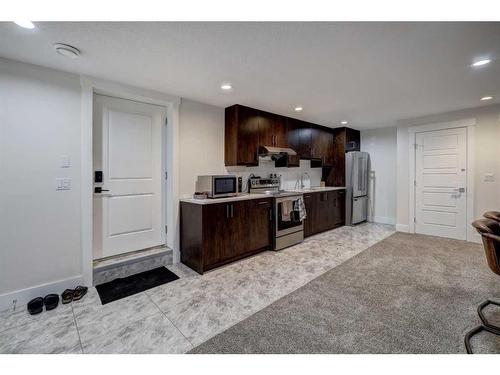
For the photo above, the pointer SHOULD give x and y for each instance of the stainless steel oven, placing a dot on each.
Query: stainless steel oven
(289, 227)
(218, 186)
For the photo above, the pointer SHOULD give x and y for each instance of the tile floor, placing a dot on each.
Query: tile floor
(177, 316)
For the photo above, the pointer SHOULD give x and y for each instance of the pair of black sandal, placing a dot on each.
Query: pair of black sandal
(76, 294)
(50, 301)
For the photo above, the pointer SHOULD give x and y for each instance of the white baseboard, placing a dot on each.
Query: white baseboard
(474, 237)
(384, 220)
(402, 228)
(23, 296)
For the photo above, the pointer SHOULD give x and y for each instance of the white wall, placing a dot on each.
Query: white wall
(382, 146)
(201, 148)
(487, 158)
(39, 226)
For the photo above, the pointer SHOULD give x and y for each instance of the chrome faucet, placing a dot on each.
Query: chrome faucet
(302, 186)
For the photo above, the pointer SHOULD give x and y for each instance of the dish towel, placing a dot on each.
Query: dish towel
(286, 210)
(301, 208)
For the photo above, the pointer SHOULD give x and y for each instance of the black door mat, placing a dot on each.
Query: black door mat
(130, 285)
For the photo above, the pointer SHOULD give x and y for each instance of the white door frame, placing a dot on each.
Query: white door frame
(469, 124)
(170, 150)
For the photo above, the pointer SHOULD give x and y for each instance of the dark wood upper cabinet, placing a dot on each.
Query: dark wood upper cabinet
(241, 136)
(293, 141)
(345, 140)
(322, 145)
(247, 128)
(352, 140)
(272, 130)
(300, 139)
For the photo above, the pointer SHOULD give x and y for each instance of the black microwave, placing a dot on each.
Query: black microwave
(218, 186)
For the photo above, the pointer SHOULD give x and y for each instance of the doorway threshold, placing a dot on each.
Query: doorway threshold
(107, 269)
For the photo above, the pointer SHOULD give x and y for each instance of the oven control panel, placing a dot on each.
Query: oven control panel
(264, 182)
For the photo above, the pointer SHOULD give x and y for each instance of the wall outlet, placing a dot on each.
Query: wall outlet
(63, 183)
(489, 177)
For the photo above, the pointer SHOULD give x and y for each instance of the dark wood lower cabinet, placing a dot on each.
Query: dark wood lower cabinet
(325, 210)
(218, 233)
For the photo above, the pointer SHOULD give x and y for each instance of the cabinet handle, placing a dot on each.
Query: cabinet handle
(232, 211)
(262, 202)
(227, 211)
(270, 214)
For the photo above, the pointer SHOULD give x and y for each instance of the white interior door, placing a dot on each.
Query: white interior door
(127, 144)
(441, 181)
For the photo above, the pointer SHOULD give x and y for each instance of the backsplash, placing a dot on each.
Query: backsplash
(289, 176)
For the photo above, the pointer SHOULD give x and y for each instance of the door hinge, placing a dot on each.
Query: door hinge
(166, 120)
(166, 229)
(166, 175)
(414, 182)
(414, 219)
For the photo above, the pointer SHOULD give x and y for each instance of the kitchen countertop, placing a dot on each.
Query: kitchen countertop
(247, 196)
(239, 197)
(319, 189)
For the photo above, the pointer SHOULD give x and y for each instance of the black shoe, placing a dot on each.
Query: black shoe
(51, 301)
(80, 291)
(35, 306)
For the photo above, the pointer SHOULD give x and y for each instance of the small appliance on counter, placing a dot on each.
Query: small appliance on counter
(220, 186)
(288, 210)
(357, 171)
(200, 195)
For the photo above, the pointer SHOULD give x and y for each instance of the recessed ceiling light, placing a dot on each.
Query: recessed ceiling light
(487, 98)
(481, 62)
(344, 122)
(66, 50)
(25, 24)
(298, 108)
(226, 86)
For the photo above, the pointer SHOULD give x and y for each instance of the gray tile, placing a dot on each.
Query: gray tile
(153, 334)
(204, 316)
(62, 314)
(92, 317)
(182, 271)
(33, 337)
(180, 290)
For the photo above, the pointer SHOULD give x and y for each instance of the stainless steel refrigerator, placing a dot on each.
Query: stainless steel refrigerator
(357, 170)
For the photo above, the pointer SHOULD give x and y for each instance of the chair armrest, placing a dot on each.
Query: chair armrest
(492, 236)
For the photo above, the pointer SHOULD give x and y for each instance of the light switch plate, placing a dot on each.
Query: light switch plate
(63, 183)
(489, 177)
(65, 161)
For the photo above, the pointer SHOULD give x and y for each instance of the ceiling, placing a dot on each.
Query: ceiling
(370, 74)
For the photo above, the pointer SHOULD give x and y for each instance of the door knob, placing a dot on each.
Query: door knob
(99, 189)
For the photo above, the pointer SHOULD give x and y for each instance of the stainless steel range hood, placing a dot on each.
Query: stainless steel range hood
(270, 150)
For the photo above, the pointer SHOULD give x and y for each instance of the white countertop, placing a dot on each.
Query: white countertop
(246, 196)
(319, 189)
(239, 197)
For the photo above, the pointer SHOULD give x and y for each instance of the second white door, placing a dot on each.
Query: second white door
(127, 145)
(440, 183)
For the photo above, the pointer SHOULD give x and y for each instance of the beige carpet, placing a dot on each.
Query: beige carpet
(406, 294)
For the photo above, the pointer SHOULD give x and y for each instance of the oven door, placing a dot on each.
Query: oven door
(224, 186)
(287, 220)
